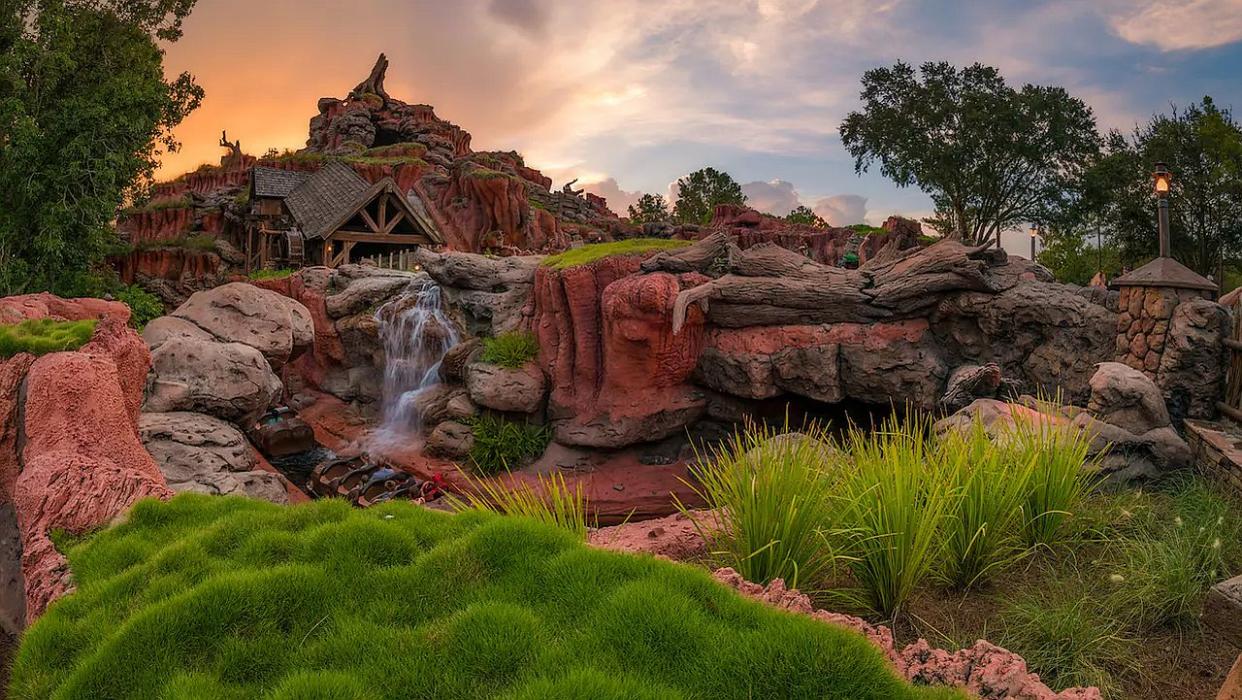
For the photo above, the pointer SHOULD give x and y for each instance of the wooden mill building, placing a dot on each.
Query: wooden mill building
(329, 217)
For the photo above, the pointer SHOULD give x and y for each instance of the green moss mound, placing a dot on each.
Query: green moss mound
(511, 350)
(43, 335)
(208, 597)
(587, 254)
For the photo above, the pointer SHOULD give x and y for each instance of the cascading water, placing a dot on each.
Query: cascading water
(416, 333)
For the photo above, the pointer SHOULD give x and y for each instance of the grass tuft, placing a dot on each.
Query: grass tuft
(510, 350)
(502, 445)
(552, 501)
(221, 597)
(271, 274)
(43, 335)
(587, 254)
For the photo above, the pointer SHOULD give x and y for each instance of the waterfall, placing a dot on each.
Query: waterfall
(415, 332)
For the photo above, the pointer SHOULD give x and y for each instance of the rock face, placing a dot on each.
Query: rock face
(278, 327)
(1193, 367)
(490, 294)
(226, 380)
(1126, 424)
(201, 454)
(507, 390)
(70, 456)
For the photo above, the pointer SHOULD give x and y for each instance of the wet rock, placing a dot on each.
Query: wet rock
(230, 381)
(450, 440)
(201, 454)
(507, 390)
(366, 293)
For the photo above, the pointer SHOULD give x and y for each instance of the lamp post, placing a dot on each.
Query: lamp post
(1034, 233)
(1164, 180)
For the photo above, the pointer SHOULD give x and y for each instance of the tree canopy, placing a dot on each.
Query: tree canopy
(650, 208)
(1202, 145)
(991, 157)
(85, 111)
(803, 214)
(701, 191)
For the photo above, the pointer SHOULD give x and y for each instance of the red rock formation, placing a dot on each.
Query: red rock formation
(618, 373)
(749, 228)
(156, 224)
(207, 179)
(81, 463)
(44, 305)
(173, 264)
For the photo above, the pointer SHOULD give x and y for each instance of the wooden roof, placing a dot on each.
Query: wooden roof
(335, 194)
(275, 182)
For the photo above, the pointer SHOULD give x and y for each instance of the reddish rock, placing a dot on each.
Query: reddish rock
(207, 179)
(44, 305)
(678, 536)
(129, 353)
(618, 373)
(180, 265)
(156, 224)
(751, 228)
(12, 372)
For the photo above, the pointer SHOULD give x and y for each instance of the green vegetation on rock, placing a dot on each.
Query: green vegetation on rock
(511, 350)
(144, 306)
(271, 274)
(587, 254)
(43, 335)
(502, 445)
(224, 598)
(202, 242)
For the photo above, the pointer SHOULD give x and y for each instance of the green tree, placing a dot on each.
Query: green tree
(990, 156)
(701, 191)
(84, 113)
(1074, 257)
(803, 215)
(650, 208)
(1202, 146)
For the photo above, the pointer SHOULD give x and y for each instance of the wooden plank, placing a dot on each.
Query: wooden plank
(392, 223)
(366, 216)
(1232, 344)
(1229, 411)
(389, 238)
(383, 214)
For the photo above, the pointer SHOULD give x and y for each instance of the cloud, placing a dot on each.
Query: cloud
(619, 200)
(842, 209)
(1173, 26)
(530, 16)
(775, 197)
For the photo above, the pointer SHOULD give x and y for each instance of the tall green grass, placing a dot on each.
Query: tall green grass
(501, 444)
(43, 335)
(511, 350)
(549, 501)
(1060, 479)
(777, 504)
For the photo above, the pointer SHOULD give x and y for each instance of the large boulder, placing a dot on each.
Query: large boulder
(230, 381)
(275, 325)
(201, 454)
(1193, 368)
(365, 293)
(1125, 397)
(450, 440)
(510, 390)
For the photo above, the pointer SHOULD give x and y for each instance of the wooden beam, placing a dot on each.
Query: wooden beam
(394, 221)
(1229, 411)
(1233, 344)
(383, 214)
(366, 216)
(386, 238)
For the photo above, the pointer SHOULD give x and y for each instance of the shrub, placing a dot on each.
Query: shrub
(587, 254)
(899, 497)
(777, 506)
(989, 486)
(220, 597)
(144, 306)
(551, 501)
(271, 274)
(511, 350)
(501, 445)
(42, 336)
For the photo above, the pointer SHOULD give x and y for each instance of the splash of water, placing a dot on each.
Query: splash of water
(416, 333)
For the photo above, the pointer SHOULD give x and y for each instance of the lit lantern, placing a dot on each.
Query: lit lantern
(1164, 179)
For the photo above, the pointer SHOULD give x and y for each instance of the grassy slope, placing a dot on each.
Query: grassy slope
(584, 255)
(209, 597)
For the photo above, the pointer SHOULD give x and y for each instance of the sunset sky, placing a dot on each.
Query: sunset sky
(629, 96)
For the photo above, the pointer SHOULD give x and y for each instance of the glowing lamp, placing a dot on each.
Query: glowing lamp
(1164, 179)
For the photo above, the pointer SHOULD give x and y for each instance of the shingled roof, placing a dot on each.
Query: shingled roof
(320, 201)
(275, 182)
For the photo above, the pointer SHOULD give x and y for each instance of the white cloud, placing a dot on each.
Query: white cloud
(1173, 25)
(775, 197)
(842, 209)
(619, 200)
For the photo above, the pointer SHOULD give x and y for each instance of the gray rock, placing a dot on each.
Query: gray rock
(1127, 398)
(508, 390)
(237, 312)
(970, 382)
(165, 327)
(450, 440)
(365, 293)
(201, 454)
(1193, 368)
(230, 381)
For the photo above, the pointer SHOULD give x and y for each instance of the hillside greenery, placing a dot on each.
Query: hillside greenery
(587, 254)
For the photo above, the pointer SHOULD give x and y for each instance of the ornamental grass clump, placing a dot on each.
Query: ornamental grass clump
(230, 599)
(989, 483)
(551, 500)
(510, 350)
(777, 503)
(1061, 478)
(899, 497)
(501, 444)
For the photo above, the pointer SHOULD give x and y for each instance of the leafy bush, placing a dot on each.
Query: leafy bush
(775, 495)
(587, 254)
(551, 502)
(511, 350)
(42, 336)
(271, 274)
(501, 445)
(144, 306)
(220, 597)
